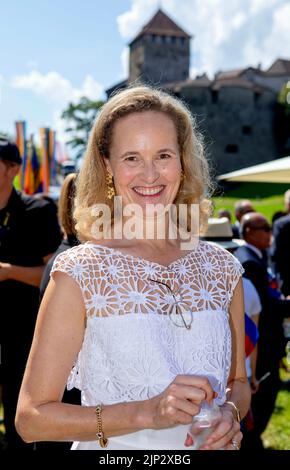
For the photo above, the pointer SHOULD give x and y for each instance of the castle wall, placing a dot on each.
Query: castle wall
(237, 123)
(159, 59)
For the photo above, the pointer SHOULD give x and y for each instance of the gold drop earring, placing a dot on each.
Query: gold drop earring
(110, 186)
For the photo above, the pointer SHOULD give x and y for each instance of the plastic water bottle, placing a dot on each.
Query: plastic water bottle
(204, 423)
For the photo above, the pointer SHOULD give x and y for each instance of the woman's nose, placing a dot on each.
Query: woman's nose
(149, 172)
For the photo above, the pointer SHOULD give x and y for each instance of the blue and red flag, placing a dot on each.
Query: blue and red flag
(273, 287)
(251, 335)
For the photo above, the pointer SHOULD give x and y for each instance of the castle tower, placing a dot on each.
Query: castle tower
(160, 52)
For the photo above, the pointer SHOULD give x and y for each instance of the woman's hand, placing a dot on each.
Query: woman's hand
(180, 401)
(226, 435)
(254, 385)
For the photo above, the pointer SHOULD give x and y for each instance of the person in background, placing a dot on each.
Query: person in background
(280, 250)
(219, 231)
(277, 215)
(253, 309)
(257, 233)
(225, 213)
(65, 213)
(153, 328)
(29, 235)
(242, 207)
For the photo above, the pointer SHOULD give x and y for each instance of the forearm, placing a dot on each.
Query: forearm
(253, 361)
(64, 422)
(28, 275)
(239, 393)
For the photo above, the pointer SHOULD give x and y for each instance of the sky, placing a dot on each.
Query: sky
(54, 52)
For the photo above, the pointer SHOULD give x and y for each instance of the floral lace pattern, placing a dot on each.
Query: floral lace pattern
(131, 350)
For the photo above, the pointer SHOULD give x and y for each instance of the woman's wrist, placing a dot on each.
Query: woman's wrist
(232, 407)
(144, 415)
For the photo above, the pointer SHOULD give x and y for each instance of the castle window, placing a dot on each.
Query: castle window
(182, 41)
(232, 148)
(247, 130)
(168, 39)
(214, 96)
(153, 37)
(173, 39)
(163, 38)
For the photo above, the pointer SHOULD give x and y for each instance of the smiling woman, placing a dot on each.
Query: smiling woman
(146, 330)
(119, 143)
(145, 173)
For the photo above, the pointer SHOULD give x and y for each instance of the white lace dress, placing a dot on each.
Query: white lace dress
(132, 350)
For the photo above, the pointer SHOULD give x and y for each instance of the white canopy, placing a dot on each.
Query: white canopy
(275, 171)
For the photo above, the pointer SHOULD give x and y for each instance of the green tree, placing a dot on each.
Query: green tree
(80, 118)
(282, 120)
(284, 98)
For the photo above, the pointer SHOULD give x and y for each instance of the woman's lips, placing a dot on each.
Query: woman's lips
(153, 191)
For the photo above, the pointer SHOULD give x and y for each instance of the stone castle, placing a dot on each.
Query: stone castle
(236, 111)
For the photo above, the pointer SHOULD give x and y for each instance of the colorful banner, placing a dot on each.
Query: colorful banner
(22, 146)
(48, 160)
(52, 156)
(45, 163)
(32, 176)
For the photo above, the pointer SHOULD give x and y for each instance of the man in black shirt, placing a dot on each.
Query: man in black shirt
(29, 235)
(281, 247)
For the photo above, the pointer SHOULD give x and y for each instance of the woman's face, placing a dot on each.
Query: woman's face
(144, 158)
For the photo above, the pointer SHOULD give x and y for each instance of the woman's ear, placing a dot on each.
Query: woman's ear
(108, 165)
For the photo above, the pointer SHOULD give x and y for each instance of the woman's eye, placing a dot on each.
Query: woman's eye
(131, 159)
(164, 156)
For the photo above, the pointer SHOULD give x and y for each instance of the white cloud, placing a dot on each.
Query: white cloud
(257, 6)
(59, 125)
(130, 22)
(277, 43)
(239, 20)
(227, 34)
(59, 91)
(56, 87)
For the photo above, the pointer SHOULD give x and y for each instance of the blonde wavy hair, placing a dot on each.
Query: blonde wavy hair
(66, 205)
(91, 187)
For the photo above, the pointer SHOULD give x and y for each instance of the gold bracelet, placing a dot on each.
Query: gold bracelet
(236, 410)
(100, 434)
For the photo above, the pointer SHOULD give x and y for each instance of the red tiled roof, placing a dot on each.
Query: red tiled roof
(162, 25)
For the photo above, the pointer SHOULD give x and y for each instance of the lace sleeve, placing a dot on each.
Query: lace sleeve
(69, 263)
(235, 271)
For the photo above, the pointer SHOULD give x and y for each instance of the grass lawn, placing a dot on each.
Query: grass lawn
(267, 198)
(277, 434)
